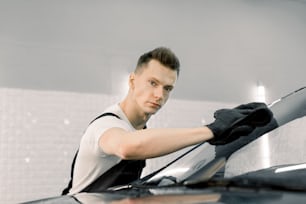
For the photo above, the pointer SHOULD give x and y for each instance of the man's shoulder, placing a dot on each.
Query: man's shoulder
(113, 108)
(113, 116)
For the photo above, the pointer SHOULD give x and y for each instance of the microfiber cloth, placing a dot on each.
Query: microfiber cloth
(257, 114)
(230, 124)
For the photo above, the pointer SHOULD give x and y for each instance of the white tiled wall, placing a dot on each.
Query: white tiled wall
(40, 131)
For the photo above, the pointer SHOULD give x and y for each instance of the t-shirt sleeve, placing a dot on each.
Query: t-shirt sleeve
(98, 127)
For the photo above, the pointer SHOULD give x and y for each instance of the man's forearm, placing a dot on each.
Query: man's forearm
(151, 143)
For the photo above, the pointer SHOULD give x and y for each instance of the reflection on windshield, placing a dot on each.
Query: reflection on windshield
(177, 171)
(290, 168)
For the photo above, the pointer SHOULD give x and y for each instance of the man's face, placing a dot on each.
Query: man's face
(151, 86)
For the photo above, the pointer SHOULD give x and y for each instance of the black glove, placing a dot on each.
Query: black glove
(230, 124)
(258, 113)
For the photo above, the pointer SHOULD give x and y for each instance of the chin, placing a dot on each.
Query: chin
(151, 111)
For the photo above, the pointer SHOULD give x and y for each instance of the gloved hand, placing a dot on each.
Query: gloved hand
(230, 124)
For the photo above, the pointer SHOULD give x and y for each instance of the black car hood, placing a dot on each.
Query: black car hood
(175, 195)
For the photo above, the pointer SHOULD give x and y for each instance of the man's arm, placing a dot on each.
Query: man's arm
(149, 143)
(228, 126)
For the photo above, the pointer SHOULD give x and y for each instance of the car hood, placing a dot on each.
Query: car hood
(175, 195)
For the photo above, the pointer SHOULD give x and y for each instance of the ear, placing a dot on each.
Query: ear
(132, 80)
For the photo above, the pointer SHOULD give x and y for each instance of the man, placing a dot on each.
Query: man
(120, 137)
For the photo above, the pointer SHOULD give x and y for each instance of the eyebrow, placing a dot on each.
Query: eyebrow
(165, 86)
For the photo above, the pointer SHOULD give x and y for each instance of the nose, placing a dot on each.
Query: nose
(159, 93)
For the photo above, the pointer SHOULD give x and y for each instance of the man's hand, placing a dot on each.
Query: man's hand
(230, 124)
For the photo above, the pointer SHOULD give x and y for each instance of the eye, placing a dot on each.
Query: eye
(168, 88)
(152, 83)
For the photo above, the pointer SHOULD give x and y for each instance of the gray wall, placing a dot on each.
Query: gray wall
(225, 47)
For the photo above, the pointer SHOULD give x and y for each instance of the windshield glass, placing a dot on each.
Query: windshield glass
(282, 146)
(187, 165)
(279, 143)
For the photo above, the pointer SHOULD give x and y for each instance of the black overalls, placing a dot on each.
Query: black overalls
(122, 173)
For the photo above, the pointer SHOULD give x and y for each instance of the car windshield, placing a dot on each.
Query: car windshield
(275, 148)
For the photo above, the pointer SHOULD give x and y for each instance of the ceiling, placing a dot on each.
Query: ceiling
(226, 47)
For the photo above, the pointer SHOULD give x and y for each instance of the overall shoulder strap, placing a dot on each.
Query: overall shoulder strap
(105, 114)
(66, 190)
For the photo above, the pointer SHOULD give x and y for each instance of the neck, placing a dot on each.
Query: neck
(137, 118)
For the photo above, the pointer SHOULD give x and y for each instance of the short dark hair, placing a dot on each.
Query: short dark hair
(162, 54)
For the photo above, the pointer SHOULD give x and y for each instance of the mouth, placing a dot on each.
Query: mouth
(155, 105)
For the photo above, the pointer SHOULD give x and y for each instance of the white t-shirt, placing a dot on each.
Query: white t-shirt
(91, 161)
